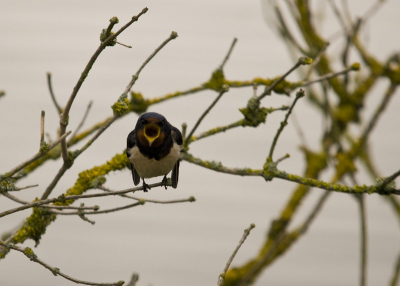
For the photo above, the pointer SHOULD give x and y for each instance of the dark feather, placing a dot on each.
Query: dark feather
(176, 135)
(175, 175)
(131, 142)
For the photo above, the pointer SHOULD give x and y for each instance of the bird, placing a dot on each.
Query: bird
(154, 148)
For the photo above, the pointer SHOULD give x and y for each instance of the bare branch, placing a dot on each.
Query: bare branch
(37, 156)
(65, 114)
(246, 233)
(63, 198)
(15, 199)
(82, 122)
(190, 199)
(300, 62)
(173, 35)
(56, 271)
(225, 88)
(59, 109)
(315, 61)
(42, 128)
(134, 279)
(221, 67)
(353, 67)
(299, 95)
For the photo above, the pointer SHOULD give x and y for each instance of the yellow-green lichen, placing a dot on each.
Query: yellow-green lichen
(269, 169)
(138, 104)
(44, 147)
(88, 178)
(344, 165)
(34, 226)
(121, 107)
(29, 253)
(346, 113)
(253, 113)
(216, 81)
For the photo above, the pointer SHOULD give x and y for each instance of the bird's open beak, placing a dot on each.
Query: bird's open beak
(151, 132)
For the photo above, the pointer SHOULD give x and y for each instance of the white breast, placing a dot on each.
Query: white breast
(149, 168)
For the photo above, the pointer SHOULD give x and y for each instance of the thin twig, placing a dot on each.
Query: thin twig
(26, 187)
(80, 213)
(42, 128)
(372, 11)
(134, 279)
(221, 277)
(378, 112)
(282, 158)
(221, 67)
(388, 180)
(82, 122)
(15, 199)
(56, 271)
(282, 238)
(95, 136)
(299, 95)
(190, 199)
(37, 156)
(301, 61)
(364, 241)
(130, 47)
(49, 84)
(330, 75)
(63, 198)
(395, 278)
(54, 182)
(285, 32)
(173, 35)
(225, 88)
(315, 61)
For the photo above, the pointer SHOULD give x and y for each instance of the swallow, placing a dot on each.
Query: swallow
(154, 148)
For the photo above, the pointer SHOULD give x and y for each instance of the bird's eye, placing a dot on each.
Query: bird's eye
(162, 123)
(142, 121)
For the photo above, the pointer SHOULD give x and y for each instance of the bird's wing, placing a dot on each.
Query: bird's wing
(177, 136)
(175, 175)
(131, 142)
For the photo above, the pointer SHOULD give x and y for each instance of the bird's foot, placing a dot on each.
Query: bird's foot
(146, 187)
(164, 182)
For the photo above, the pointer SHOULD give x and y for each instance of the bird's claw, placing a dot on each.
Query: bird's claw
(164, 182)
(146, 187)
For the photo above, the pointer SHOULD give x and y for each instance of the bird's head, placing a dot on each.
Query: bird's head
(151, 129)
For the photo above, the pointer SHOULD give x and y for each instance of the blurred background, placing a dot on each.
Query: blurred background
(187, 243)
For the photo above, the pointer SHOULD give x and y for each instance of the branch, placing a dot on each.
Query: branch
(353, 67)
(65, 114)
(190, 199)
(56, 271)
(173, 35)
(245, 234)
(299, 95)
(63, 198)
(221, 67)
(59, 109)
(301, 61)
(81, 123)
(37, 156)
(15, 199)
(225, 88)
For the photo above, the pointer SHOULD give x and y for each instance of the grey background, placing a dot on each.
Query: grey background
(182, 244)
